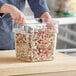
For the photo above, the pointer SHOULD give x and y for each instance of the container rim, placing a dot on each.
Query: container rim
(37, 20)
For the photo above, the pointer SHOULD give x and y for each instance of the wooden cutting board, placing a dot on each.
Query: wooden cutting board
(9, 65)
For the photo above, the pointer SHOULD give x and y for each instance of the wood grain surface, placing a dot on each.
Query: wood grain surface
(9, 65)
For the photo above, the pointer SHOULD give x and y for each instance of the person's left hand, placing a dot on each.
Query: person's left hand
(47, 18)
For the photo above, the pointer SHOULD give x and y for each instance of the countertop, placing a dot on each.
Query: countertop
(9, 65)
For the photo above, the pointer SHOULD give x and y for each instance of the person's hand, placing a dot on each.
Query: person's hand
(16, 14)
(47, 19)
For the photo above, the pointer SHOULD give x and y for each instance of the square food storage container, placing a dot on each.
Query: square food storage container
(35, 41)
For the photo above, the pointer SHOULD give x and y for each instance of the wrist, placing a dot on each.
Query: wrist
(6, 8)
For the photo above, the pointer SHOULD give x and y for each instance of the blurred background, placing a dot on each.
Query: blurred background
(65, 12)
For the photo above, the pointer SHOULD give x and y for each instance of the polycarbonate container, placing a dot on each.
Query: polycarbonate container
(35, 41)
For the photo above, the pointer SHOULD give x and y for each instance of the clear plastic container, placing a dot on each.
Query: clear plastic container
(35, 41)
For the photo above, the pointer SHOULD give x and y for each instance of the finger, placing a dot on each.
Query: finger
(22, 21)
(15, 20)
(51, 26)
(18, 19)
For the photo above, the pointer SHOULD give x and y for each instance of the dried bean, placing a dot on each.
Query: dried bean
(37, 46)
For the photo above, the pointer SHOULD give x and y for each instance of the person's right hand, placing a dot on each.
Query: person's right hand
(16, 14)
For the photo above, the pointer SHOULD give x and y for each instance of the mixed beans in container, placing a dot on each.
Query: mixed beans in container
(35, 42)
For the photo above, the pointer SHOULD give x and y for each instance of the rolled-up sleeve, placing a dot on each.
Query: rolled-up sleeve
(38, 7)
(2, 2)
